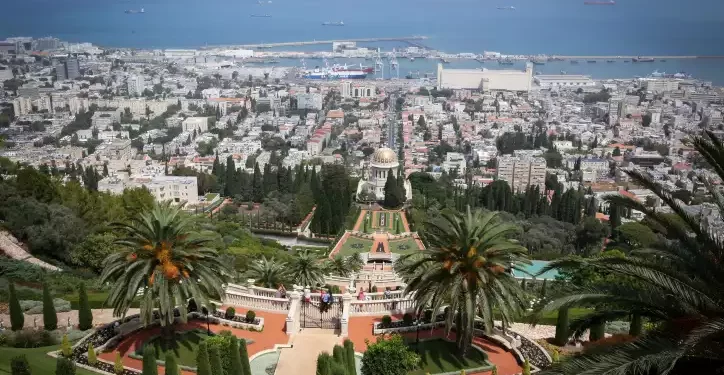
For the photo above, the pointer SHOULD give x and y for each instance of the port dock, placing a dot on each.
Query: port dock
(331, 41)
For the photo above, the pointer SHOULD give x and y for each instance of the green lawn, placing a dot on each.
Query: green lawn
(184, 347)
(96, 300)
(404, 246)
(321, 251)
(355, 245)
(40, 362)
(442, 356)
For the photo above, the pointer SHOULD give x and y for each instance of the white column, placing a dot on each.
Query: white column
(346, 305)
(292, 316)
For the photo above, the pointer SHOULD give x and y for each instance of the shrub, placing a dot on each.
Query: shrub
(19, 366)
(230, 313)
(250, 316)
(349, 356)
(64, 366)
(215, 361)
(92, 359)
(338, 368)
(150, 367)
(339, 357)
(118, 364)
(374, 289)
(526, 367)
(495, 370)
(244, 355)
(220, 343)
(386, 321)
(407, 319)
(597, 331)
(170, 367)
(324, 364)
(33, 307)
(555, 357)
(235, 358)
(561, 327)
(50, 319)
(203, 367)
(17, 319)
(30, 338)
(389, 356)
(85, 315)
(65, 347)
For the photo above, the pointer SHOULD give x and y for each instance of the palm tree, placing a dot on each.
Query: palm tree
(355, 263)
(338, 265)
(678, 284)
(466, 266)
(267, 272)
(162, 264)
(306, 269)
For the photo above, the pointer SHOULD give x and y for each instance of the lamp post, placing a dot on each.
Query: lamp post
(205, 310)
(417, 328)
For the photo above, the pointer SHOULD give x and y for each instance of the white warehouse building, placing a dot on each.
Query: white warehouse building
(548, 81)
(485, 79)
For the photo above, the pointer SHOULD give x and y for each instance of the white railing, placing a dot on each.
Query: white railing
(381, 307)
(255, 302)
(381, 295)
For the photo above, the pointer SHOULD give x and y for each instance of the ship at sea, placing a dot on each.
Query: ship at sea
(609, 2)
(336, 72)
(260, 15)
(507, 61)
(538, 61)
(680, 75)
(643, 59)
(340, 23)
(131, 11)
(506, 8)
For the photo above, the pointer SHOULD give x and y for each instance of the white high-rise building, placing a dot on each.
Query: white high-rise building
(135, 85)
(200, 124)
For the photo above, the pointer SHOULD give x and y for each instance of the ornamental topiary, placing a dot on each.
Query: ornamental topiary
(407, 319)
(171, 368)
(64, 366)
(339, 357)
(349, 356)
(235, 357)
(50, 319)
(230, 313)
(386, 321)
(19, 366)
(92, 358)
(17, 319)
(250, 316)
(526, 367)
(65, 347)
(324, 365)
(118, 364)
(149, 361)
(85, 315)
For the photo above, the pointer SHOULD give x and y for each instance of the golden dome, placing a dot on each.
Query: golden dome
(384, 156)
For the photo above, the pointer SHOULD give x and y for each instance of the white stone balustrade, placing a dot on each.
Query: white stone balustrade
(381, 307)
(256, 302)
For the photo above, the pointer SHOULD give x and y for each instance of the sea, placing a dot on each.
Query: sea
(553, 27)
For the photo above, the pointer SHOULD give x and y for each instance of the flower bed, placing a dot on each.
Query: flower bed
(536, 355)
(407, 325)
(237, 321)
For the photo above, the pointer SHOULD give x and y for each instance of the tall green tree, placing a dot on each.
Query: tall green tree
(17, 318)
(234, 356)
(268, 272)
(162, 263)
(230, 183)
(215, 360)
(257, 185)
(171, 366)
(393, 197)
(349, 357)
(244, 355)
(323, 364)
(50, 318)
(305, 268)
(677, 283)
(466, 266)
(85, 315)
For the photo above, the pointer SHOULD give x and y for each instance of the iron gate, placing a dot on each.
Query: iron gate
(318, 315)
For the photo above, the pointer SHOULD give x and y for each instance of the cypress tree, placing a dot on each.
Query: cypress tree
(85, 315)
(257, 189)
(235, 358)
(50, 319)
(244, 355)
(349, 356)
(562, 327)
(215, 361)
(149, 361)
(170, 367)
(203, 366)
(230, 186)
(392, 191)
(65, 347)
(92, 359)
(340, 358)
(323, 364)
(17, 319)
(543, 289)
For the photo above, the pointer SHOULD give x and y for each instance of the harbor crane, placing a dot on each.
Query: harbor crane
(394, 65)
(379, 65)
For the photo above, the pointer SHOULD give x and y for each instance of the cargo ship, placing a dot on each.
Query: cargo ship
(261, 15)
(681, 75)
(131, 11)
(609, 2)
(325, 73)
(643, 59)
(340, 23)
(506, 62)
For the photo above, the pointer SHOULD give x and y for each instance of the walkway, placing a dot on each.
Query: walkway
(100, 317)
(273, 334)
(360, 329)
(10, 246)
(301, 358)
(360, 219)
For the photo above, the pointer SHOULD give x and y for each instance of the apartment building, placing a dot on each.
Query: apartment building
(521, 172)
(176, 189)
(200, 124)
